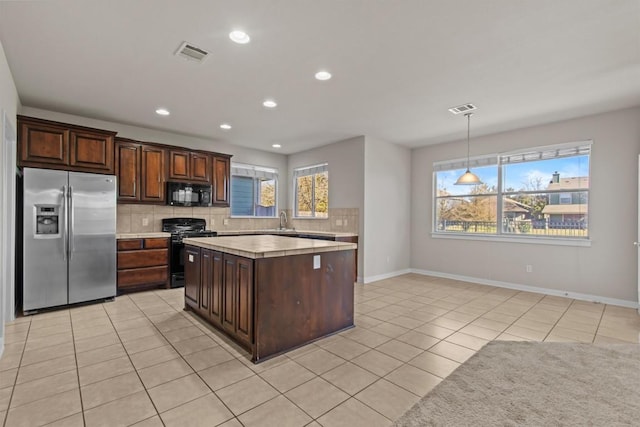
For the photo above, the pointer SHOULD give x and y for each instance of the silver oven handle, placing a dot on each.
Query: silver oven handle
(72, 246)
(65, 238)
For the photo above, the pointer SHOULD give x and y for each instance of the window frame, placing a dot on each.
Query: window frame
(311, 170)
(255, 172)
(497, 160)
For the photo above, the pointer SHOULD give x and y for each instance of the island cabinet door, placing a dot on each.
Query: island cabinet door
(228, 293)
(244, 294)
(216, 288)
(205, 282)
(192, 276)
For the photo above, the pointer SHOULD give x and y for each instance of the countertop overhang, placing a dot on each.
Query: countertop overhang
(268, 246)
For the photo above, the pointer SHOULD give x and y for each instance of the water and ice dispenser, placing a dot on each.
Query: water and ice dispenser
(47, 221)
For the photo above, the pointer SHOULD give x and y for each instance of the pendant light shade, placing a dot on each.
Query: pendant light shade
(468, 178)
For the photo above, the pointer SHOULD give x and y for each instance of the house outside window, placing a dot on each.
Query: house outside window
(540, 192)
(254, 191)
(311, 189)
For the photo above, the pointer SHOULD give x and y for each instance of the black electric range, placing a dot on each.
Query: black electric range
(181, 228)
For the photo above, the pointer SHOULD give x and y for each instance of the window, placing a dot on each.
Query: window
(540, 192)
(311, 191)
(253, 190)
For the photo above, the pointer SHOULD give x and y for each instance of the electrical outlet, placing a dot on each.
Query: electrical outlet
(225, 221)
(529, 268)
(339, 222)
(345, 222)
(145, 222)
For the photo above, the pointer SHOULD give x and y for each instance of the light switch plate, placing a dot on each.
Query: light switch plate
(316, 262)
(225, 221)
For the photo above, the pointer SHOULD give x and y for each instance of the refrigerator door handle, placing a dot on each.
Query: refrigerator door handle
(72, 247)
(65, 221)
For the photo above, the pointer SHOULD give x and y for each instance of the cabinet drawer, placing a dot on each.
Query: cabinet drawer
(145, 258)
(143, 276)
(129, 244)
(156, 243)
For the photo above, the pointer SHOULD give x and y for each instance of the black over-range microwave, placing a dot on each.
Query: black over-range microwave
(182, 194)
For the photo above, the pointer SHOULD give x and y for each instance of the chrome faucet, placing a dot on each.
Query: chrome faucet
(283, 214)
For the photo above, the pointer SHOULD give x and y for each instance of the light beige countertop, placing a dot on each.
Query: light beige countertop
(286, 231)
(267, 246)
(142, 235)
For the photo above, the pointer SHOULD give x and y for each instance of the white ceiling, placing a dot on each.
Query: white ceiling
(397, 65)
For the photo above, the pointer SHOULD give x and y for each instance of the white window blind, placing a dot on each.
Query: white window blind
(474, 162)
(310, 170)
(547, 153)
(240, 169)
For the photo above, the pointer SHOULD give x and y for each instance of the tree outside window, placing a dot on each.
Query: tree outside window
(312, 192)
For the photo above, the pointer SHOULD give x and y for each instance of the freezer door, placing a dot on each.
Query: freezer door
(92, 236)
(44, 239)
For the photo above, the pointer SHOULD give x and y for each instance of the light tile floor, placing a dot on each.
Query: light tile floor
(141, 360)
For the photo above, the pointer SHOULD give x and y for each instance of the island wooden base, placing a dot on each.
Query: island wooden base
(271, 305)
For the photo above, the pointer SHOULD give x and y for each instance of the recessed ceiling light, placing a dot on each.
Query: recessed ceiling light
(270, 103)
(239, 37)
(323, 75)
(276, 145)
(162, 112)
(225, 126)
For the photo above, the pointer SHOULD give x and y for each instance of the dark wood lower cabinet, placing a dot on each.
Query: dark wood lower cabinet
(142, 264)
(271, 305)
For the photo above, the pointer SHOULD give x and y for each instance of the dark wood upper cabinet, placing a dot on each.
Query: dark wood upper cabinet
(128, 170)
(140, 170)
(54, 145)
(221, 181)
(91, 151)
(153, 173)
(189, 166)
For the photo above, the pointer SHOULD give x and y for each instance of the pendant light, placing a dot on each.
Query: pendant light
(468, 178)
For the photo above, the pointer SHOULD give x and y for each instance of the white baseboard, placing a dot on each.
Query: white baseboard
(370, 279)
(519, 287)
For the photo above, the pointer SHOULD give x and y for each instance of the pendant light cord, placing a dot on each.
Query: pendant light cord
(468, 133)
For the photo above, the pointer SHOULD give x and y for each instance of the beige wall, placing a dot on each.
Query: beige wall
(607, 269)
(9, 105)
(387, 204)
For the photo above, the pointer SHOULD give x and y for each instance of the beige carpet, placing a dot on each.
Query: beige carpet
(537, 384)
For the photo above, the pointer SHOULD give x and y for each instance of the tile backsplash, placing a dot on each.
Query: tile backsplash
(148, 218)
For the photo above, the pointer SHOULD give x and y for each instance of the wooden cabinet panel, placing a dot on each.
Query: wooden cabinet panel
(138, 277)
(128, 170)
(192, 276)
(153, 172)
(228, 293)
(130, 244)
(91, 151)
(54, 145)
(216, 288)
(244, 298)
(138, 259)
(200, 167)
(42, 143)
(156, 243)
(221, 181)
(179, 165)
(206, 266)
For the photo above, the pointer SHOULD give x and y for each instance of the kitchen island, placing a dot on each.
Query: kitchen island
(270, 293)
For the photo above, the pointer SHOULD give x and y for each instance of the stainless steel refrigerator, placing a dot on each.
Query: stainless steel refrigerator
(69, 238)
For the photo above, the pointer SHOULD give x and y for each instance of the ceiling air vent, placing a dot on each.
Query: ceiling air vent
(192, 53)
(464, 108)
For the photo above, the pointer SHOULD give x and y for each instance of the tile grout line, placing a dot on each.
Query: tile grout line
(15, 380)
